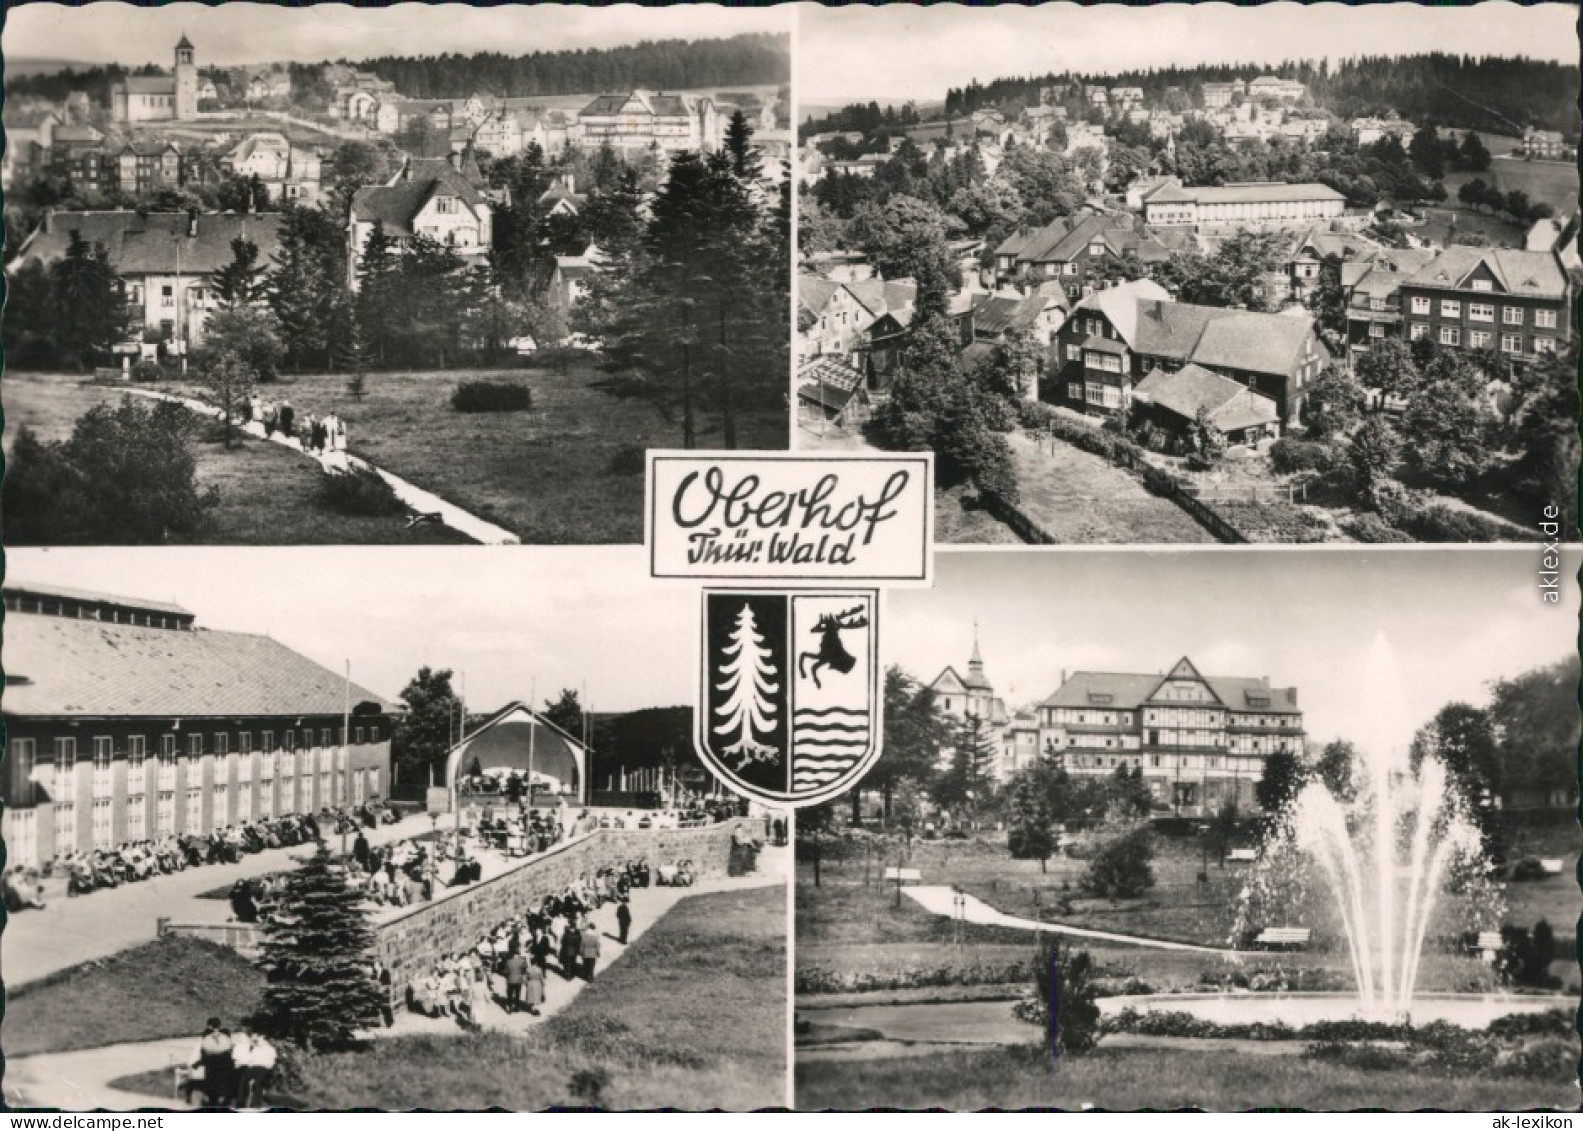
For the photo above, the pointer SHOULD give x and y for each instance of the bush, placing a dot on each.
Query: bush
(492, 396)
(628, 459)
(1121, 867)
(1288, 455)
(817, 980)
(1372, 528)
(1527, 869)
(148, 370)
(1416, 513)
(359, 492)
(1065, 981)
(126, 476)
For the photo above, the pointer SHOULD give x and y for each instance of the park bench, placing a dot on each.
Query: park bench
(903, 876)
(1242, 855)
(1283, 938)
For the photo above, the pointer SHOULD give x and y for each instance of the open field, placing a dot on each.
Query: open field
(1553, 182)
(1081, 498)
(544, 474)
(1133, 1079)
(647, 1033)
(165, 988)
(267, 494)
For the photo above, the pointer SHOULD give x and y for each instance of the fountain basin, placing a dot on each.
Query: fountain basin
(1470, 1011)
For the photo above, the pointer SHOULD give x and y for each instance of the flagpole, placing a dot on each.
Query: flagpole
(533, 730)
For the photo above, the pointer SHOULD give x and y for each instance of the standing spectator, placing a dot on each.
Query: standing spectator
(381, 975)
(271, 418)
(623, 922)
(516, 971)
(571, 949)
(533, 987)
(256, 1068)
(360, 851)
(589, 950)
(286, 416)
(215, 1059)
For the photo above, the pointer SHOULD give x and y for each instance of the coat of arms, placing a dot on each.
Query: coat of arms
(789, 705)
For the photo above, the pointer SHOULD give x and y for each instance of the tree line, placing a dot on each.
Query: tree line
(1497, 94)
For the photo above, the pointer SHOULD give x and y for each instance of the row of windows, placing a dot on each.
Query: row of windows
(24, 751)
(1476, 339)
(1484, 311)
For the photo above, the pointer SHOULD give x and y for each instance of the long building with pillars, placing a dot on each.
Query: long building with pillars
(1200, 740)
(125, 721)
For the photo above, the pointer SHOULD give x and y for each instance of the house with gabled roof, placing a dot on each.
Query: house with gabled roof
(1115, 337)
(1072, 250)
(963, 697)
(1516, 302)
(127, 720)
(441, 199)
(1200, 741)
(1177, 402)
(644, 118)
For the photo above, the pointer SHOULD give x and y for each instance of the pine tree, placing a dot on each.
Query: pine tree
(376, 303)
(90, 313)
(305, 287)
(316, 949)
(1030, 832)
(748, 711)
(237, 283)
(745, 160)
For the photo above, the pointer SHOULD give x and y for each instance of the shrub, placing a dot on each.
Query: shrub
(359, 492)
(1527, 869)
(148, 370)
(628, 459)
(1121, 867)
(1372, 528)
(817, 980)
(1365, 1058)
(1288, 455)
(1552, 1059)
(492, 396)
(1428, 521)
(1065, 981)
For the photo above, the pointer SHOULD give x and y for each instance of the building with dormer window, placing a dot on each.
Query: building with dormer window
(1200, 741)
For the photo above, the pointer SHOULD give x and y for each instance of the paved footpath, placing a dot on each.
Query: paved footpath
(940, 901)
(71, 931)
(79, 1081)
(421, 501)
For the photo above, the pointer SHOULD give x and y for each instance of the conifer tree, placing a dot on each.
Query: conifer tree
(316, 950)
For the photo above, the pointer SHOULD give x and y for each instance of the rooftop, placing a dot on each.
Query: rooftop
(147, 245)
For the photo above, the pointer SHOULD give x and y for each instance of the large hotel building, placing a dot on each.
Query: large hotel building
(1200, 740)
(127, 721)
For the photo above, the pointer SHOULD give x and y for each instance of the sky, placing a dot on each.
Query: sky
(1374, 641)
(237, 33)
(896, 52)
(512, 620)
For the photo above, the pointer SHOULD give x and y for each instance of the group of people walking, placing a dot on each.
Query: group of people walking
(519, 953)
(320, 435)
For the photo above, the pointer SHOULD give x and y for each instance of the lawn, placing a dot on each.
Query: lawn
(546, 474)
(1553, 182)
(166, 988)
(268, 495)
(1083, 498)
(692, 1016)
(1134, 1079)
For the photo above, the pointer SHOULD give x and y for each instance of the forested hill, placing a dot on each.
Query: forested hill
(664, 64)
(1497, 94)
(758, 59)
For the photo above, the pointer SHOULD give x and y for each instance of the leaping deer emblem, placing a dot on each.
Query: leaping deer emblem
(831, 653)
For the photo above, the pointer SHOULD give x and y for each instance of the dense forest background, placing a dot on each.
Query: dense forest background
(1500, 94)
(665, 64)
(1495, 95)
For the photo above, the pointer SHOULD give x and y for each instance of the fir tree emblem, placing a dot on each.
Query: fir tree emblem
(747, 678)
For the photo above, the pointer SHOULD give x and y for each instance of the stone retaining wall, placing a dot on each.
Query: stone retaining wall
(412, 940)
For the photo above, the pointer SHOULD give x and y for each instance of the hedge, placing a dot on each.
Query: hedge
(1288, 455)
(492, 396)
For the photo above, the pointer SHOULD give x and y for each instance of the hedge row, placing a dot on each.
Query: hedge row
(821, 981)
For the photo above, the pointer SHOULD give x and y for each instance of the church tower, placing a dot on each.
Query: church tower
(186, 81)
(980, 691)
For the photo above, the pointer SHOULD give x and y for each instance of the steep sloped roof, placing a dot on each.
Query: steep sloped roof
(147, 245)
(1230, 406)
(1120, 304)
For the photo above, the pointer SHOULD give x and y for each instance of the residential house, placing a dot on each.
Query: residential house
(991, 319)
(1305, 131)
(1076, 251)
(561, 197)
(80, 154)
(1372, 283)
(436, 198)
(1282, 90)
(291, 173)
(1546, 145)
(1176, 402)
(142, 166)
(1200, 741)
(29, 137)
(1519, 302)
(165, 261)
(264, 84)
(1220, 94)
(1309, 252)
(1097, 97)
(1126, 98)
(837, 318)
(1367, 131)
(642, 119)
(1115, 337)
(208, 94)
(126, 720)
(970, 697)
